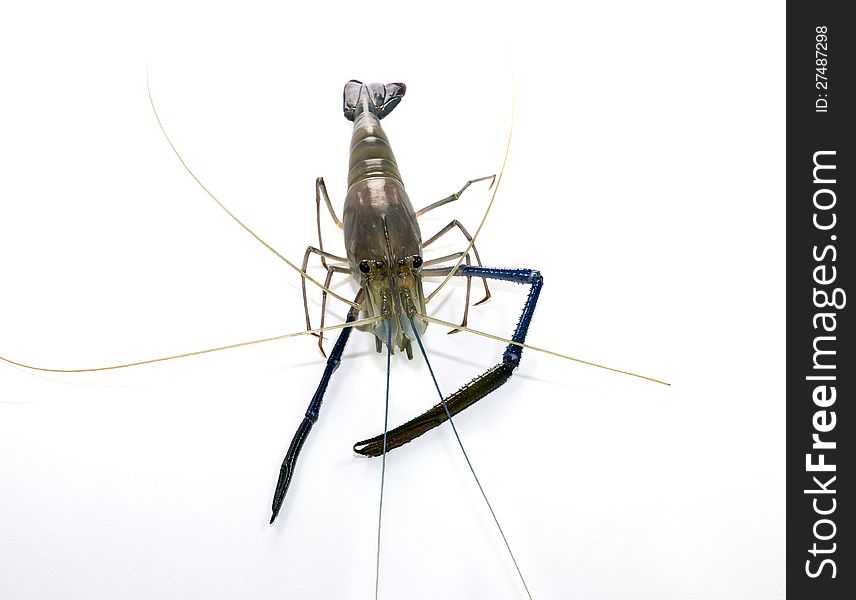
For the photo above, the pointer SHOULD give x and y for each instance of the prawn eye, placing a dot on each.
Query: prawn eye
(417, 261)
(364, 266)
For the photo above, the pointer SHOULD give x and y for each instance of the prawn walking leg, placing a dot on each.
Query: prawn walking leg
(321, 194)
(479, 387)
(330, 270)
(456, 195)
(309, 251)
(469, 238)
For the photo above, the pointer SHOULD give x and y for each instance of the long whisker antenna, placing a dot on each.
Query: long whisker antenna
(466, 457)
(431, 319)
(383, 459)
(229, 212)
(489, 205)
(357, 323)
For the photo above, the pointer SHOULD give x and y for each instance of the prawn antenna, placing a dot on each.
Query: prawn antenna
(431, 319)
(466, 457)
(357, 323)
(489, 204)
(229, 212)
(383, 458)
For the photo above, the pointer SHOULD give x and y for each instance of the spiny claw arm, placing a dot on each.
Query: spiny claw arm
(286, 471)
(479, 387)
(465, 397)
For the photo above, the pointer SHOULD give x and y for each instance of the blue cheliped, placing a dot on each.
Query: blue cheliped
(286, 471)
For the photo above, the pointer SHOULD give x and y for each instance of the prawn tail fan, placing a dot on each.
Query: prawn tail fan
(378, 98)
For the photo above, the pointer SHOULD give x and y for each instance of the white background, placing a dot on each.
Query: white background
(645, 181)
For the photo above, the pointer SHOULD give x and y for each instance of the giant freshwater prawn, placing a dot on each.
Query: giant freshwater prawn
(384, 255)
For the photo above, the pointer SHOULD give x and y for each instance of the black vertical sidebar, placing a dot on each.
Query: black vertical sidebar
(821, 369)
